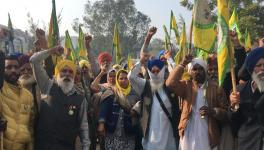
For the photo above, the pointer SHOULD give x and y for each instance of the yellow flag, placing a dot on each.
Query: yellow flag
(116, 44)
(224, 53)
(174, 27)
(183, 46)
(248, 45)
(233, 24)
(81, 45)
(203, 29)
(129, 62)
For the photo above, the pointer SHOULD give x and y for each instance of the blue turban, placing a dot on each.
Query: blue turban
(155, 62)
(15, 54)
(161, 53)
(253, 57)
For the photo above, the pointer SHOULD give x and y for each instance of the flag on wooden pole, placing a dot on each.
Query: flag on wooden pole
(53, 40)
(225, 54)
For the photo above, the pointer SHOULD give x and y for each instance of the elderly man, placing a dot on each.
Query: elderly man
(27, 79)
(63, 114)
(16, 106)
(158, 109)
(104, 60)
(204, 105)
(248, 120)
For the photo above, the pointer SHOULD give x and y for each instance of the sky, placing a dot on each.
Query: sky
(40, 10)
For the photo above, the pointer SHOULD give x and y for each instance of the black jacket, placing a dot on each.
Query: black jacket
(2, 68)
(248, 121)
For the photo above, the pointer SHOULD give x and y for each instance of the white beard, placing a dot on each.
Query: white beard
(259, 80)
(26, 80)
(155, 86)
(66, 86)
(157, 81)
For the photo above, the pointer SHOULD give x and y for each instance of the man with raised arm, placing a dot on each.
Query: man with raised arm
(63, 113)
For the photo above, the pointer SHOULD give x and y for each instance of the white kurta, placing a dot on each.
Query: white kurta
(196, 132)
(160, 129)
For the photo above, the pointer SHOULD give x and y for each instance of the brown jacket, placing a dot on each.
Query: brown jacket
(216, 99)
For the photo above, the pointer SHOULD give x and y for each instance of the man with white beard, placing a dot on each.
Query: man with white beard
(63, 114)
(248, 120)
(27, 80)
(159, 108)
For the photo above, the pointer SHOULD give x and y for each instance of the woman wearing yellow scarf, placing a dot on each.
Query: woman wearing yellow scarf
(115, 121)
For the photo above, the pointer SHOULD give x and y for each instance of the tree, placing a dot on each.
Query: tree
(100, 18)
(250, 13)
(156, 45)
(32, 26)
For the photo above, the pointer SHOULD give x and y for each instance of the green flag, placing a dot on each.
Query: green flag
(167, 38)
(11, 33)
(54, 35)
(69, 50)
(53, 40)
(10, 28)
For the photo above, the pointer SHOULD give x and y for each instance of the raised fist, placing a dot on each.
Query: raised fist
(152, 31)
(57, 50)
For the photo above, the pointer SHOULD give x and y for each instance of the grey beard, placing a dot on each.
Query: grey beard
(66, 87)
(155, 86)
(259, 80)
(25, 82)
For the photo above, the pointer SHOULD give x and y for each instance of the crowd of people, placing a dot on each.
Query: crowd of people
(155, 105)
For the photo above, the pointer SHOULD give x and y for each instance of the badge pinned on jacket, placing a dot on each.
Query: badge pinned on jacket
(71, 110)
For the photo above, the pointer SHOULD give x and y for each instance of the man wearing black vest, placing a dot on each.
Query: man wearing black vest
(63, 113)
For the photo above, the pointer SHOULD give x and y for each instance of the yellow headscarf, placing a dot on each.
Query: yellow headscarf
(117, 67)
(119, 88)
(63, 63)
(83, 63)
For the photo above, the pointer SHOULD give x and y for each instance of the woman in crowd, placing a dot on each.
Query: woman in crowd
(115, 122)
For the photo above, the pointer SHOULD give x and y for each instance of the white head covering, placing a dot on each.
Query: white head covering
(195, 61)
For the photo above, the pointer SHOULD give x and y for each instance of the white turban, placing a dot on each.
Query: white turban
(198, 61)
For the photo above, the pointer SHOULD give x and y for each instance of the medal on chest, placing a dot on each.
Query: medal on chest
(71, 110)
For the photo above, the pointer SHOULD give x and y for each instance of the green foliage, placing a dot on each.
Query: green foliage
(156, 45)
(250, 14)
(100, 17)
